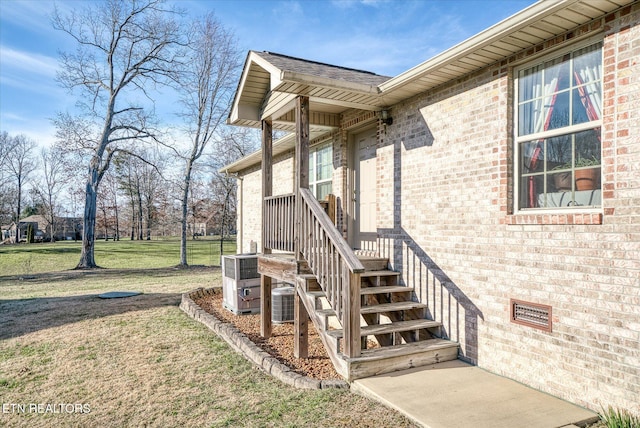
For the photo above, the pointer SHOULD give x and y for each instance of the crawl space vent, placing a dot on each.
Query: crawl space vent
(531, 314)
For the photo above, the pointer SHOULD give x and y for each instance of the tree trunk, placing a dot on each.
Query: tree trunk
(18, 233)
(185, 200)
(87, 257)
(106, 224)
(149, 220)
(140, 215)
(52, 221)
(116, 235)
(224, 221)
(133, 216)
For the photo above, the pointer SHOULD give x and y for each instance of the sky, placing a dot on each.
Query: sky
(386, 37)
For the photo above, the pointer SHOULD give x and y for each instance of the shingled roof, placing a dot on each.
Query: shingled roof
(319, 69)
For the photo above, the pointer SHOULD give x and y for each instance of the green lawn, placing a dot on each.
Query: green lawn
(71, 359)
(27, 259)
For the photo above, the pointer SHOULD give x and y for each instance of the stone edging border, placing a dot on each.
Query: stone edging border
(242, 344)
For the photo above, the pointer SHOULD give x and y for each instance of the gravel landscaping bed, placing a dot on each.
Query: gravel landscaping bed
(317, 370)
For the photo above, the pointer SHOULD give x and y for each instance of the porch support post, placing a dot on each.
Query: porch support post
(302, 164)
(300, 328)
(267, 190)
(300, 315)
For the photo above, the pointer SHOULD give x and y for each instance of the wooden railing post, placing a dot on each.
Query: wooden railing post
(300, 329)
(351, 317)
(267, 189)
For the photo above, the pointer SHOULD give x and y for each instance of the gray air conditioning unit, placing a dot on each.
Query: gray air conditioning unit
(241, 284)
(282, 303)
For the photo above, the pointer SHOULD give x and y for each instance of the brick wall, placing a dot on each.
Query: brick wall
(444, 193)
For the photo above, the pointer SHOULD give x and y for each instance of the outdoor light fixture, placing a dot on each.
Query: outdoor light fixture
(386, 119)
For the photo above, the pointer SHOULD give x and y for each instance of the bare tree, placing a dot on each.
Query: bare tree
(110, 189)
(19, 165)
(140, 179)
(7, 189)
(128, 177)
(108, 206)
(48, 189)
(6, 146)
(124, 49)
(103, 208)
(205, 87)
(151, 184)
(234, 145)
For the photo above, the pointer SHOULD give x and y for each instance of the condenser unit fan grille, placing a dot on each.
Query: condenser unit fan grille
(282, 304)
(241, 267)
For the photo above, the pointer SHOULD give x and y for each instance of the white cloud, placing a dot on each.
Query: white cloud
(42, 131)
(33, 14)
(27, 61)
(346, 4)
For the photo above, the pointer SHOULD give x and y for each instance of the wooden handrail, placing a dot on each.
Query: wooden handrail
(354, 264)
(287, 195)
(334, 264)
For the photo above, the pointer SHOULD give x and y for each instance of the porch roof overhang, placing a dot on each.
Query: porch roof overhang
(270, 82)
(280, 146)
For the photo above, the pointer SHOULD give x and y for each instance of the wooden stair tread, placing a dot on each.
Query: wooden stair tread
(404, 349)
(390, 307)
(325, 312)
(399, 326)
(318, 293)
(377, 264)
(364, 258)
(389, 328)
(370, 273)
(385, 289)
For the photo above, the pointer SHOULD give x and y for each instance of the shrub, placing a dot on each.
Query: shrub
(615, 418)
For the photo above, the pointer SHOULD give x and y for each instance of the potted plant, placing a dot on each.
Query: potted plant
(587, 177)
(562, 180)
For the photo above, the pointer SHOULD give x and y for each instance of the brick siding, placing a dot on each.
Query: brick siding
(446, 220)
(445, 213)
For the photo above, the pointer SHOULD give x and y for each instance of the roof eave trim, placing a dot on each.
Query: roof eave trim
(252, 57)
(498, 31)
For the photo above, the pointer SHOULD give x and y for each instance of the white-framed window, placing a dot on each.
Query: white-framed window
(558, 102)
(321, 170)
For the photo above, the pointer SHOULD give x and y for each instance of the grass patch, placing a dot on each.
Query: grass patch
(140, 361)
(29, 259)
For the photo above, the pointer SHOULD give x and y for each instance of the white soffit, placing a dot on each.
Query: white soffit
(530, 27)
(280, 146)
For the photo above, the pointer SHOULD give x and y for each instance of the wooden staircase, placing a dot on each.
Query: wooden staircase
(368, 322)
(395, 335)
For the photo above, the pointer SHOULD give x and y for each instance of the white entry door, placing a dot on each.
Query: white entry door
(364, 235)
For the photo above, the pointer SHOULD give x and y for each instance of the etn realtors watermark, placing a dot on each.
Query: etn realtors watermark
(45, 408)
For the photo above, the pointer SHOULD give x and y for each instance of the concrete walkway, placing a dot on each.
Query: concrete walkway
(455, 394)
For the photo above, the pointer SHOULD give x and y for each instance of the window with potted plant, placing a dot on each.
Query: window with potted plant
(558, 130)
